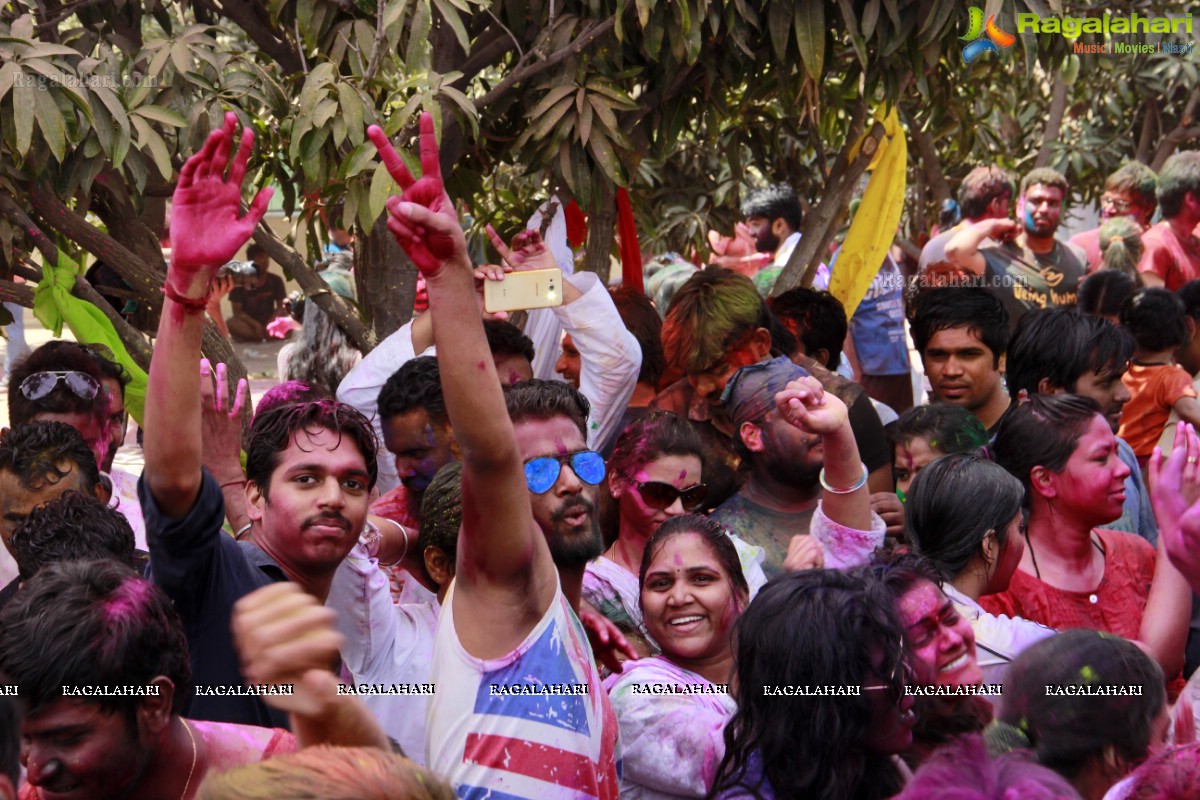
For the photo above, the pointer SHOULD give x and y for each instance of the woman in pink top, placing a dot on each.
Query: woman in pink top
(672, 708)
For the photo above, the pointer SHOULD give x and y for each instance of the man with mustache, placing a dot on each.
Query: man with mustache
(1029, 268)
(779, 506)
(310, 466)
(519, 710)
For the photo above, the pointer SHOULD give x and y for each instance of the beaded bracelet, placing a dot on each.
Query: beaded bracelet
(825, 485)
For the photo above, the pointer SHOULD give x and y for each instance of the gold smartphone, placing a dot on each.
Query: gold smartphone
(535, 288)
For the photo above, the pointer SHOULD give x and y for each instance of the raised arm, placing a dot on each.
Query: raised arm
(206, 231)
(1175, 494)
(504, 563)
(963, 247)
(805, 405)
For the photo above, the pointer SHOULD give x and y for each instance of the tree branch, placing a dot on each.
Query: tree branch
(377, 50)
(272, 42)
(143, 277)
(1179, 134)
(316, 289)
(586, 37)
(1145, 140)
(133, 340)
(18, 293)
(1054, 118)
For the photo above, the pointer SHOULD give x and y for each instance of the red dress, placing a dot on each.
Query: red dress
(1119, 600)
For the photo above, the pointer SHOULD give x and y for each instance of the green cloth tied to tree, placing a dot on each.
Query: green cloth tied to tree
(53, 304)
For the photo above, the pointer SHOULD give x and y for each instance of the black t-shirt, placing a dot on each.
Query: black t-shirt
(204, 572)
(1024, 280)
(261, 301)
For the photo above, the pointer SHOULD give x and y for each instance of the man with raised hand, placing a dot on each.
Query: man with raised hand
(519, 709)
(310, 466)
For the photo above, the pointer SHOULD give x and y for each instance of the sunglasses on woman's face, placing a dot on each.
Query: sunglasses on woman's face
(659, 495)
(542, 473)
(40, 384)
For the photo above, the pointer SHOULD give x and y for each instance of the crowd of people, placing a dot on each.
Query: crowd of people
(692, 541)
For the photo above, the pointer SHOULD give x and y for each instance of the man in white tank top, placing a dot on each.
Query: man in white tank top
(519, 710)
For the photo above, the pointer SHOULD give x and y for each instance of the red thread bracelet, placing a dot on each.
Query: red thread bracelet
(190, 303)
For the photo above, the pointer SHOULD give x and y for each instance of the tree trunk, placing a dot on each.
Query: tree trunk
(822, 223)
(601, 226)
(1054, 119)
(386, 279)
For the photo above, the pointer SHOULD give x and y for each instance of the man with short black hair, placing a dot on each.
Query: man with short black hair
(1060, 351)
(1171, 251)
(985, 193)
(310, 466)
(1029, 268)
(40, 461)
(961, 334)
(79, 628)
(773, 215)
(63, 382)
(72, 527)
(529, 529)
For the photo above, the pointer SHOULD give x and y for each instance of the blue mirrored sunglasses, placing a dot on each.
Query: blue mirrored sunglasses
(542, 473)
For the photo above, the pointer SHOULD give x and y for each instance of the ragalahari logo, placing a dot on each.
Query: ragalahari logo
(984, 37)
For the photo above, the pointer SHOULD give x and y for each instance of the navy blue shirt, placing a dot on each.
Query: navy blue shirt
(204, 572)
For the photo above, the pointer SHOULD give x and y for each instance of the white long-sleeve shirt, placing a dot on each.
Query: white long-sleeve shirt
(610, 356)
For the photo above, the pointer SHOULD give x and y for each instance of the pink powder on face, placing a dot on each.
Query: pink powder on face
(682, 475)
(481, 366)
(560, 446)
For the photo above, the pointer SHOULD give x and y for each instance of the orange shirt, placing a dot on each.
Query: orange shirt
(1153, 390)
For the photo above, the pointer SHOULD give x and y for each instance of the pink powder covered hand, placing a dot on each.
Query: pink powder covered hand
(207, 228)
(280, 327)
(528, 251)
(423, 218)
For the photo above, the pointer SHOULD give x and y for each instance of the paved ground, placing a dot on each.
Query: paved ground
(258, 358)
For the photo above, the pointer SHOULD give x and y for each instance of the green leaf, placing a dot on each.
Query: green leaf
(149, 139)
(358, 160)
(50, 120)
(777, 21)
(585, 123)
(870, 18)
(24, 102)
(548, 121)
(550, 99)
(810, 36)
(352, 109)
(161, 114)
(8, 73)
(47, 50)
(324, 112)
(606, 158)
(181, 57)
(382, 187)
(451, 16)
(644, 7)
(465, 104)
(22, 27)
(159, 62)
